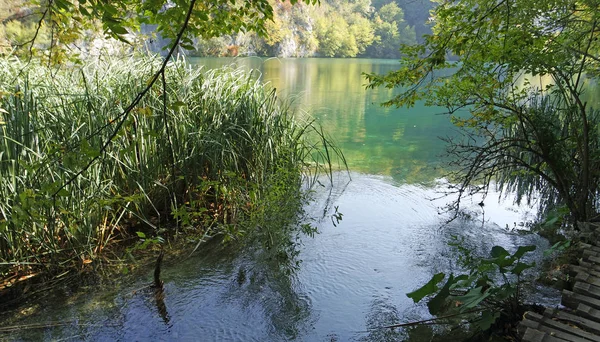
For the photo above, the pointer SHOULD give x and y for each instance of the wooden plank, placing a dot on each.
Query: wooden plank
(569, 318)
(589, 265)
(590, 252)
(585, 288)
(562, 336)
(572, 300)
(533, 335)
(588, 312)
(593, 259)
(574, 270)
(557, 327)
(588, 246)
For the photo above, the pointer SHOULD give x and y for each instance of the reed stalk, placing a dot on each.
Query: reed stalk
(195, 158)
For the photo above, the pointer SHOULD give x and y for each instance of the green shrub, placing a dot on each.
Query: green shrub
(199, 156)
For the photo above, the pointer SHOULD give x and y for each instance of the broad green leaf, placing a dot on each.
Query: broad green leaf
(520, 267)
(487, 319)
(483, 281)
(522, 250)
(187, 46)
(426, 289)
(118, 29)
(502, 262)
(62, 4)
(177, 104)
(141, 235)
(460, 281)
(498, 251)
(436, 304)
(63, 192)
(472, 298)
(203, 16)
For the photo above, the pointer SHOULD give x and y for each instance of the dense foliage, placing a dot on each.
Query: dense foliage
(211, 155)
(489, 290)
(332, 29)
(517, 92)
(60, 26)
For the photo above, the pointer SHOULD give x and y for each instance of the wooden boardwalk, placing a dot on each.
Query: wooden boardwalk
(579, 320)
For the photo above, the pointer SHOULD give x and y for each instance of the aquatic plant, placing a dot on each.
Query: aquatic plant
(488, 293)
(197, 155)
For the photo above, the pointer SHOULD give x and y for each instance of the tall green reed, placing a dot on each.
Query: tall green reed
(204, 157)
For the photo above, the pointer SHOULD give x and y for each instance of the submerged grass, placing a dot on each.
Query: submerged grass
(213, 152)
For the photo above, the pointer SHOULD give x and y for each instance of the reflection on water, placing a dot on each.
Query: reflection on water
(399, 142)
(353, 277)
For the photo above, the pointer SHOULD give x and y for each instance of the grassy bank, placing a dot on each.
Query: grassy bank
(205, 153)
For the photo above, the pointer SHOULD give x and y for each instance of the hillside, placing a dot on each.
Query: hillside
(335, 28)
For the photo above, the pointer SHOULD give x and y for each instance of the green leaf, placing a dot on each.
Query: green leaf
(88, 150)
(501, 262)
(117, 29)
(84, 11)
(187, 47)
(483, 281)
(498, 251)
(473, 298)
(461, 278)
(487, 319)
(426, 289)
(177, 104)
(522, 250)
(63, 192)
(141, 235)
(62, 4)
(203, 16)
(520, 267)
(436, 304)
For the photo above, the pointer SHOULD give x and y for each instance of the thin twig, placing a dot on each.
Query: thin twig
(13, 328)
(136, 101)
(423, 321)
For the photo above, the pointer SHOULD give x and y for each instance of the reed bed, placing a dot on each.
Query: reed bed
(203, 156)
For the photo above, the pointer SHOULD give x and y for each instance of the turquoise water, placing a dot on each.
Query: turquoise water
(353, 276)
(399, 142)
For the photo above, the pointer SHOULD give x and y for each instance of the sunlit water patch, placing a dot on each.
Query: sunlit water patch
(353, 276)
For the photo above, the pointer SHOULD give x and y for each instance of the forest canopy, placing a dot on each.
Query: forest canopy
(515, 77)
(327, 28)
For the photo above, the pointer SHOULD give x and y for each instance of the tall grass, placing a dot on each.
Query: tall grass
(199, 162)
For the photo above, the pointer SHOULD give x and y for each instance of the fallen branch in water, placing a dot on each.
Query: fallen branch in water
(157, 282)
(14, 328)
(425, 321)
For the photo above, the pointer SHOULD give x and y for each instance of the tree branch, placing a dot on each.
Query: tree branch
(123, 116)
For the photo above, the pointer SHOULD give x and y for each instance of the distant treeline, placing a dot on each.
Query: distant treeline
(335, 28)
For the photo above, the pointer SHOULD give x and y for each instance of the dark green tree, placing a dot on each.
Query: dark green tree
(517, 94)
(179, 21)
(391, 31)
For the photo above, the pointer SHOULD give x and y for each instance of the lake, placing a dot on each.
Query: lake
(353, 276)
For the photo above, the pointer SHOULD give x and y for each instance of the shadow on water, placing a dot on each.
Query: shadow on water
(159, 296)
(381, 314)
(354, 276)
(220, 294)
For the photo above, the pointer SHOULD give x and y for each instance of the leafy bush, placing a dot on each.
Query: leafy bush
(490, 289)
(197, 155)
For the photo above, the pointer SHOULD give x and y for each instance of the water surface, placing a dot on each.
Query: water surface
(354, 276)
